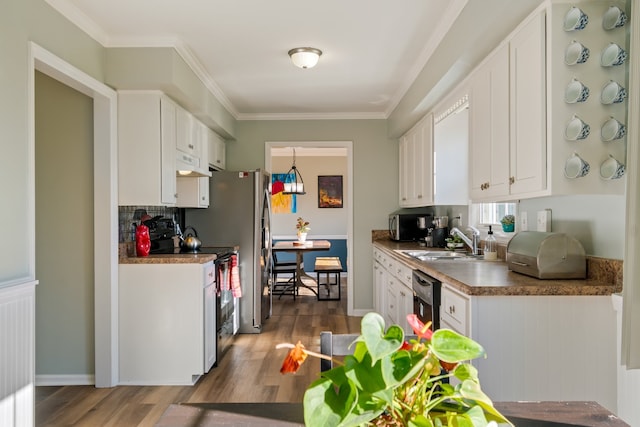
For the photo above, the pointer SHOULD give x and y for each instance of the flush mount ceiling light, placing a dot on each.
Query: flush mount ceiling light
(305, 57)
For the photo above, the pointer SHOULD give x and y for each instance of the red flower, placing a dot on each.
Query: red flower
(421, 330)
(294, 359)
(406, 346)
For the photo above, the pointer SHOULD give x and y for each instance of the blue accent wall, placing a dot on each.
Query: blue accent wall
(338, 249)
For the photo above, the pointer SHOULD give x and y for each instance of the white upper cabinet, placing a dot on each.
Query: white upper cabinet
(416, 165)
(188, 133)
(545, 123)
(146, 149)
(528, 107)
(489, 128)
(507, 117)
(217, 150)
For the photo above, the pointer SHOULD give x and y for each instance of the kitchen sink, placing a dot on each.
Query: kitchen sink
(438, 255)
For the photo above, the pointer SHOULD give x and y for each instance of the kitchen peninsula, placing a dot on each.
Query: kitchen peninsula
(168, 332)
(544, 339)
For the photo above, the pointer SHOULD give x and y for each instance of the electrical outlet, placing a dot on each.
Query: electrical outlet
(544, 220)
(524, 221)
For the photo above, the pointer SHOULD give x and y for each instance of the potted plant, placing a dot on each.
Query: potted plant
(302, 228)
(388, 381)
(508, 223)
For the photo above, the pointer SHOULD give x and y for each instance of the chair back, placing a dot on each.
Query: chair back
(340, 345)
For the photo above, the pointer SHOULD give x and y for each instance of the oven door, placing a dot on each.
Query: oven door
(426, 299)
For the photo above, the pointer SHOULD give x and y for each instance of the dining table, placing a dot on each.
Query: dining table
(300, 248)
(279, 414)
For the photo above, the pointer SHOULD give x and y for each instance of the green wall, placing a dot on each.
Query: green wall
(64, 230)
(375, 176)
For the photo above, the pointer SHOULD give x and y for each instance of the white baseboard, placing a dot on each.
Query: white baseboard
(62, 380)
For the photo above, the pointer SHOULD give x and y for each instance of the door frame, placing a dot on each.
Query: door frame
(268, 145)
(105, 203)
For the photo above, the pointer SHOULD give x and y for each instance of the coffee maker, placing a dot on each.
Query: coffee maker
(440, 231)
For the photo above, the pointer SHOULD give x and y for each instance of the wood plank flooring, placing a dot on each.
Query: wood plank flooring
(248, 372)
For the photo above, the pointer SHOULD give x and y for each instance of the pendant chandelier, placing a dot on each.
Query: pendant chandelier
(293, 183)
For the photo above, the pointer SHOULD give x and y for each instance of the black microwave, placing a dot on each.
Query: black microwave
(403, 227)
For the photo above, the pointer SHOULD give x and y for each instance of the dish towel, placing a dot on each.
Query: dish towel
(236, 290)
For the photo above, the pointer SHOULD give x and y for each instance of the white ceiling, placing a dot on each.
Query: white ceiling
(372, 49)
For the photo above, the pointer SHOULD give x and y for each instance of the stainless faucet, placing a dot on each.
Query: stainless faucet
(473, 242)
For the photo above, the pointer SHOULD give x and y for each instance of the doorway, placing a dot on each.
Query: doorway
(320, 149)
(105, 201)
(64, 233)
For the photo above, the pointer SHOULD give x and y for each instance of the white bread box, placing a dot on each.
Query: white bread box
(547, 255)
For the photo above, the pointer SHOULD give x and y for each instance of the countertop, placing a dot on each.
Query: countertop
(177, 258)
(488, 278)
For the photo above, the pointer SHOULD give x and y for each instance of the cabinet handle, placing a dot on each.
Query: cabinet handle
(191, 146)
(419, 196)
(218, 161)
(512, 180)
(202, 197)
(452, 309)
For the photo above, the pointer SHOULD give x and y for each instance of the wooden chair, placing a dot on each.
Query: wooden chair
(340, 345)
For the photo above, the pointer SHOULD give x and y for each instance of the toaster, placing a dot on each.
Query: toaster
(546, 255)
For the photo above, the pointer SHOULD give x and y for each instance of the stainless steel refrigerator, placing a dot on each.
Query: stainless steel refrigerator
(239, 213)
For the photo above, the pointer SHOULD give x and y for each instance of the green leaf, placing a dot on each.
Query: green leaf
(378, 343)
(323, 406)
(466, 371)
(471, 390)
(452, 347)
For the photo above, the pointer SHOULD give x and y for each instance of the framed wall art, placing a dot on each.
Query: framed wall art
(330, 191)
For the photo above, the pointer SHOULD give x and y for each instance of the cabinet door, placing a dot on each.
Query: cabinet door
(217, 150)
(403, 170)
(454, 310)
(168, 151)
(405, 307)
(189, 132)
(379, 288)
(392, 302)
(528, 123)
(489, 128)
(423, 158)
(192, 192)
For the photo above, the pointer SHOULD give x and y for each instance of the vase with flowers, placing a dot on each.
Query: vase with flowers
(388, 381)
(302, 228)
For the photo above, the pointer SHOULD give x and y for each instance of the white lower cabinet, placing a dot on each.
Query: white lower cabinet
(548, 348)
(393, 292)
(166, 323)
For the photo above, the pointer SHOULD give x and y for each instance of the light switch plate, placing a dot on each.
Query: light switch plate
(544, 220)
(524, 221)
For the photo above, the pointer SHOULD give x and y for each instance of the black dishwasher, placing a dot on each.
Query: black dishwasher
(426, 298)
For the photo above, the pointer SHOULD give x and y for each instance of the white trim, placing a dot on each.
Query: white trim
(312, 116)
(349, 203)
(63, 380)
(631, 268)
(105, 200)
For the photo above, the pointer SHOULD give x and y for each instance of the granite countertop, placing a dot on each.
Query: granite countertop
(169, 259)
(490, 278)
(127, 256)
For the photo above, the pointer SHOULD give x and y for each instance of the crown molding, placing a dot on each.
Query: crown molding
(312, 116)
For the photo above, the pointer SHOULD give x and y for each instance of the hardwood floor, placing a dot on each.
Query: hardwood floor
(248, 372)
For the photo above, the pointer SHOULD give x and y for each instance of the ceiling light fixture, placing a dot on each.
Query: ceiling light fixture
(293, 183)
(305, 57)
